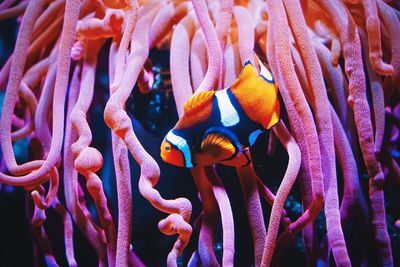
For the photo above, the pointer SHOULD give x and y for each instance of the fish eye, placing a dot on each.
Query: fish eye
(167, 148)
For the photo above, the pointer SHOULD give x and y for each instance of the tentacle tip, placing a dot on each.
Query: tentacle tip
(384, 69)
(397, 224)
(37, 199)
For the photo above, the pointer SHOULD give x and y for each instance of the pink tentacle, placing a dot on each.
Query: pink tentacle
(4, 73)
(373, 27)
(358, 101)
(43, 108)
(15, 78)
(71, 186)
(246, 34)
(179, 61)
(336, 48)
(378, 101)
(248, 181)
(37, 221)
(392, 24)
(68, 232)
(63, 64)
(232, 64)
(29, 97)
(123, 180)
(88, 160)
(17, 10)
(287, 182)
(209, 220)
(162, 24)
(132, 15)
(299, 134)
(289, 80)
(270, 198)
(331, 208)
(49, 14)
(198, 59)
(225, 209)
(117, 119)
(213, 47)
(6, 4)
(222, 29)
(51, 195)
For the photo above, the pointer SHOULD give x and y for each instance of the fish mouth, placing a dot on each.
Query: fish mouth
(163, 157)
(170, 162)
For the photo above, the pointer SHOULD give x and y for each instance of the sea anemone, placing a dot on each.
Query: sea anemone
(336, 64)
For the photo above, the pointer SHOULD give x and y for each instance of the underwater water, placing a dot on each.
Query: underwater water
(153, 112)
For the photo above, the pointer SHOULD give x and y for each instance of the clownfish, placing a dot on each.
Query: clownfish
(218, 127)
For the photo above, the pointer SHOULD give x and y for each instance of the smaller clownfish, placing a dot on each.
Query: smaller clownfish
(218, 127)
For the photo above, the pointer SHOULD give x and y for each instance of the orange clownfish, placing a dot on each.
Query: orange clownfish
(219, 126)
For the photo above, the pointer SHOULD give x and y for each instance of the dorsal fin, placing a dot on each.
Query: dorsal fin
(198, 102)
(248, 73)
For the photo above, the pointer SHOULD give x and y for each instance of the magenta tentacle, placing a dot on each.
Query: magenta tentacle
(28, 97)
(357, 100)
(42, 128)
(285, 67)
(180, 46)
(378, 101)
(37, 221)
(49, 14)
(209, 220)
(287, 182)
(298, 132)
(52, 192)
(132, 15)
(246, 34)
(315, 51)
(222, 27)
(232, 64)
(270, 198)
(123, 180)
(336, 48)
(71, 186)
(117, 119)
(213, 47)
(88, 160)
(6, 4)
(391, 22)
(124, 202)
(353, 199)
(198, 58)
(336, 81)
(63, 63)
(352, 196)
(224, 22)
(16, 74)
(334, 229)
(248, 181)
(17, 10)
(374, 36)
(162, 24)
(68, 232)
(225, 209)
(4, 73)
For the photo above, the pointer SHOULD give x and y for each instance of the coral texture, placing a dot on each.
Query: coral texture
(336, 64)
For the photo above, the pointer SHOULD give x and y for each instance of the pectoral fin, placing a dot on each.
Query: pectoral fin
(218, 146)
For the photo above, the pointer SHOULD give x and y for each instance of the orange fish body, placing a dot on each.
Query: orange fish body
(219, 126)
